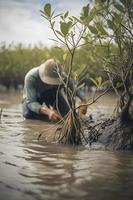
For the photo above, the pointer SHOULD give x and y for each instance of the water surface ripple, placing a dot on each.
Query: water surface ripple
(34, 170)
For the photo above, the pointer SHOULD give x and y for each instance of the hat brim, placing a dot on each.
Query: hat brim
(46, 79)
(51, 81)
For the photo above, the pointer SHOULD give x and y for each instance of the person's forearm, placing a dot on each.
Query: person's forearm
(34, 106)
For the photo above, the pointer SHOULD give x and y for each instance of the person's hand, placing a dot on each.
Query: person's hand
(53, 115)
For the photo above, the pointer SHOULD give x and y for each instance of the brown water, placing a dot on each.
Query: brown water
(33, 170)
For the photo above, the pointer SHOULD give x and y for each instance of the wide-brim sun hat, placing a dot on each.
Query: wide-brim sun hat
(50, 72)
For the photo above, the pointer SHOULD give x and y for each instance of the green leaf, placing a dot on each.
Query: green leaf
(123, 2)
(47, 9)
(101, 29)
(80, 69)
(119, 84)
(64, 56)
(86, 11)
(119, 7)
(69, 24)
(84, 14)
(106, 83)
(66, 14)
(111, 24)
(62, 17)
(92, 14)
(93, 29)
(71, 19)
(78, 20)
(117, 20)
(94, 81)
(99, 81)
(81, 86)
(65, 27)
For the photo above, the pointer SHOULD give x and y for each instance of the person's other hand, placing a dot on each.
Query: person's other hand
(83, 109)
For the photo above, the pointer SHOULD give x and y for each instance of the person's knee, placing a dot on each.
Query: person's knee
(27, 113)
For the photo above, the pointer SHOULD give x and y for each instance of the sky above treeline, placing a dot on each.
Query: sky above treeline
(21, 22)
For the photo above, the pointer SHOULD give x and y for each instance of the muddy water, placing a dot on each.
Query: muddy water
(36, 170)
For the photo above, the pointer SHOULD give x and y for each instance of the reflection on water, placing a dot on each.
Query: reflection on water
(31, 169)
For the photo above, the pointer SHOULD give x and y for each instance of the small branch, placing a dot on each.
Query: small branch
(94, 99)
(127, 29)
(56, 33)
(70, 70)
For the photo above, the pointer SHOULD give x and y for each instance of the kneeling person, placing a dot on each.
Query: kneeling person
(40, 98)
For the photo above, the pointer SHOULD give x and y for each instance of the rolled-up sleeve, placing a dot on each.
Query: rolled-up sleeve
(30, 94)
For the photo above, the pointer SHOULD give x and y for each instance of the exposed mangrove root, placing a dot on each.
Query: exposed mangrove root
(116, 136)
(76, 131)
(91, 132)
(69, 130)
(72, 130)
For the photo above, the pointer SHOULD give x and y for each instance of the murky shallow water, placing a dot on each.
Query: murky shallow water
(32, 170)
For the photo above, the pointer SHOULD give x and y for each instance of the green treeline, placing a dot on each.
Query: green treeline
(17, 60)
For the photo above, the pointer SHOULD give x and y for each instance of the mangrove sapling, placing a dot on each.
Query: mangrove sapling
(71, 34)
(69, 128)
(107, 24)
(112, 30)
(72, 129)
(117, 19)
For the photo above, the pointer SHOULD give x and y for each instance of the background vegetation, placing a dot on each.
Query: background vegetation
(107, 52)
(16, 60)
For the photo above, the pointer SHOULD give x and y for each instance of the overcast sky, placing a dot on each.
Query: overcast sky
(20, 20)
